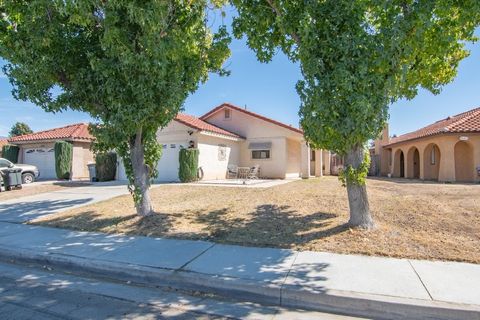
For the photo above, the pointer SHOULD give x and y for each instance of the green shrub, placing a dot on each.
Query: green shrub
(63, 159)
(10, 153)
(188, 165)
(106, 166)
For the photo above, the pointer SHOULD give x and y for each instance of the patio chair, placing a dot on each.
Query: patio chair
(232, 171)
(254, 172)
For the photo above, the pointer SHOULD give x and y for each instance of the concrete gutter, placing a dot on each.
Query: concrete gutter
(296, 296)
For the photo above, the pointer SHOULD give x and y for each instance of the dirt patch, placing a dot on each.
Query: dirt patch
(40, 188)
(413, 219)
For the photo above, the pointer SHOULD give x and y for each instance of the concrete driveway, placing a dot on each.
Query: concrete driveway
(30, 207)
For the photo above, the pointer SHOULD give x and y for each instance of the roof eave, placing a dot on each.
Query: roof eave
(429, 136)
(218, 135)
(252, 114)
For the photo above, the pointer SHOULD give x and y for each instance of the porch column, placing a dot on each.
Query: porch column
(446, 172)
(319, 163)
(326, 162)
(305, 160)
(422, 162)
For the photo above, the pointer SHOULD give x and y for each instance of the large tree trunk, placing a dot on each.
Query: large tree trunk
(357, 193)
(140, 175)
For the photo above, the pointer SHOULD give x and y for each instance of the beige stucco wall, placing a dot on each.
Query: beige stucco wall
(276, 166)
(293, 168)
(456, 157)
(82, 155)
(283, 162)
(213, 166)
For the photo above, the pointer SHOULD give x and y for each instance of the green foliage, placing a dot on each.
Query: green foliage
(10, 153)
(63, 159)
(357, 57)
(129, 64)
(358, 176)
(19, 129)
(106, 166)
(188, 165)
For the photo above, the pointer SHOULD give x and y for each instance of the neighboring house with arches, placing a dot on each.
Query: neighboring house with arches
(447, 150)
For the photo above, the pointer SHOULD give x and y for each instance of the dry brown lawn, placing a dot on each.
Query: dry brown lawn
(413, 219)
(39, 188)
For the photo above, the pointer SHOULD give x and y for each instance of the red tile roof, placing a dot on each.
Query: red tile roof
(77, 132)
(2, 143)
(196, 123)
(253, 114)
(466, 122)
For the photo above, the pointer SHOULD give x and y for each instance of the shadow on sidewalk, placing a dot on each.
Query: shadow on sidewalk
(25, 211)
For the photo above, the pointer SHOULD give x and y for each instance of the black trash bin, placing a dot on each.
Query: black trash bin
(12, 178)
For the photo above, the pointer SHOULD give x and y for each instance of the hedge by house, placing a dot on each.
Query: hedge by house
(188, 165)
(106, 166)
(10, 153)
(63, 159)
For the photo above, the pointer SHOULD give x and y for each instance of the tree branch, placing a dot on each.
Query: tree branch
(294, 35)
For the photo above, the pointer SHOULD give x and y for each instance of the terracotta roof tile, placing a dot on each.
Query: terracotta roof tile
(2, 143)
(253, 114)
(196, 123)
(465, 122)
(77, 131)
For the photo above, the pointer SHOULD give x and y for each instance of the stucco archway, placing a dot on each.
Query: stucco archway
(463, 162)
(431, 162)
(413, 161)
(399, 164)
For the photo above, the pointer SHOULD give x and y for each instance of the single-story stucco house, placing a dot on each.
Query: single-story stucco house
(447, 150)
(38, 149)
(230, 135)
(226, 135)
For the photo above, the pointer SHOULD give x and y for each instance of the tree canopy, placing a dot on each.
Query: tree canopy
(356, 58)
(19, 129)
(129, 64)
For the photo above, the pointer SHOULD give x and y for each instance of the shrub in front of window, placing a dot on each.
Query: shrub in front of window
(106, 166)
(63, 159)
(10, 153)
(188, 165)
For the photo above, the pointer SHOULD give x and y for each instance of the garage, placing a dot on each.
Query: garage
(43, 159)
(168, 165)
(38, 149)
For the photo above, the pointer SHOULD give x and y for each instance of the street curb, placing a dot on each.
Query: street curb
(351, 303)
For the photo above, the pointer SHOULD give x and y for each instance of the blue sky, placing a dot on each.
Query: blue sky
(269, 89)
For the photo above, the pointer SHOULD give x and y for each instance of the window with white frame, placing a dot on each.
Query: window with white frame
(261, 154)
(433, 156)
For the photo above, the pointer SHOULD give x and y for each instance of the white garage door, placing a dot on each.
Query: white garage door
(167, 166)
(43, 159)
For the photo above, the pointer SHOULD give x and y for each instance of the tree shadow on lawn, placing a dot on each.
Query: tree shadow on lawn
(269, 225)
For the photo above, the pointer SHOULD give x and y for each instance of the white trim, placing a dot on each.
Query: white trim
(219, 135)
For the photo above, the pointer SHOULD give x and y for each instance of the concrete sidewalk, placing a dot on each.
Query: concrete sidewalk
(358, 285)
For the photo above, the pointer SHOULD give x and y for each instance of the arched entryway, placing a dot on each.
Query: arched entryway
(464, 162)
(413, 160)
(399, 165)
(431, 162)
